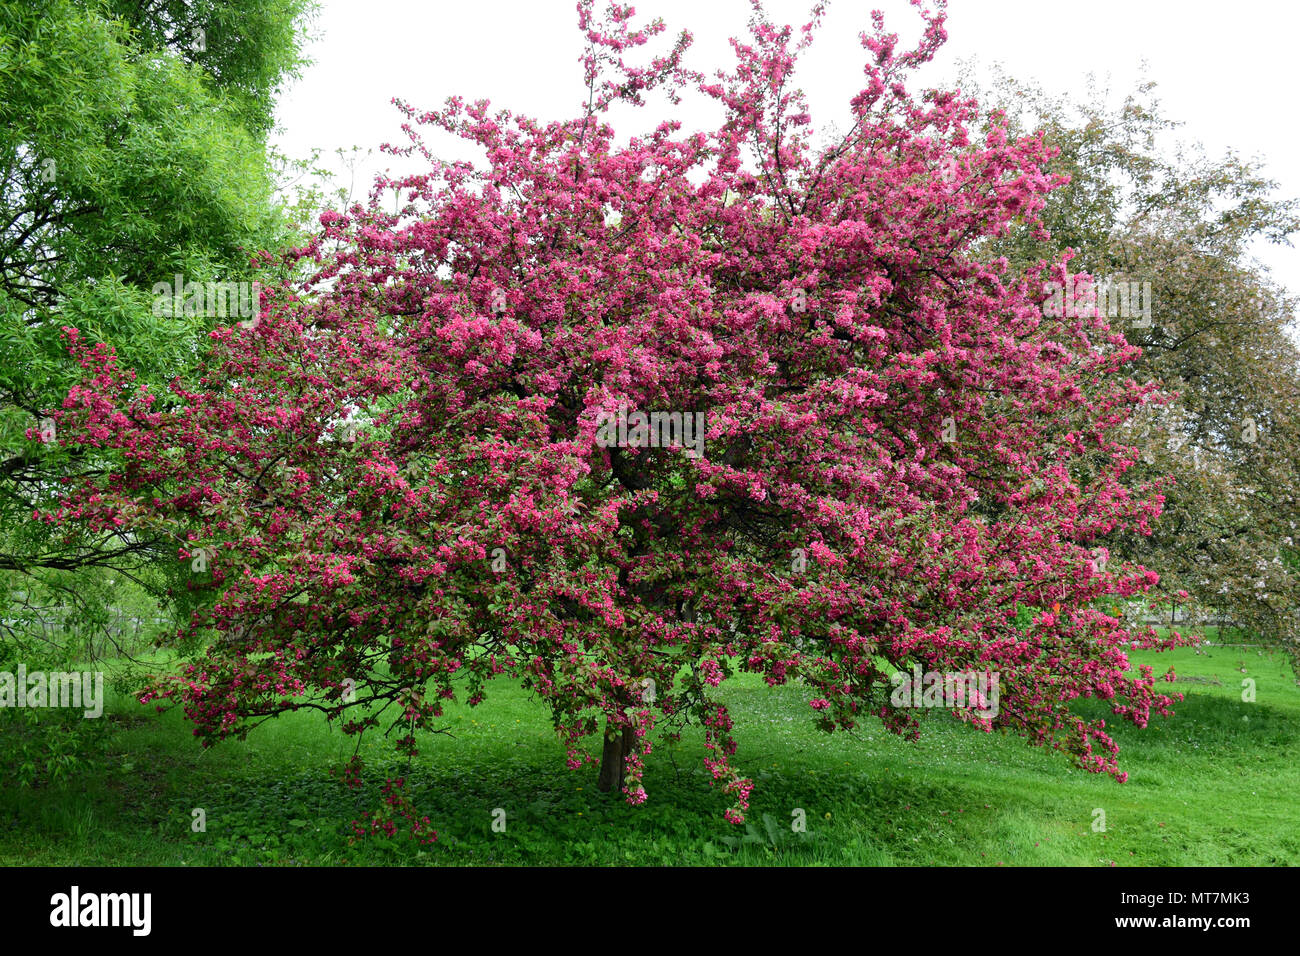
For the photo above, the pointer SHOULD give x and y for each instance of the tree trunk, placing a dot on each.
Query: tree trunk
(617, 746)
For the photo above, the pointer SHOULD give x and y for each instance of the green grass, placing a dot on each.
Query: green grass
(1213, 785)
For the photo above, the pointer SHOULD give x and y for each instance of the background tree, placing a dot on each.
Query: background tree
(1220, 335)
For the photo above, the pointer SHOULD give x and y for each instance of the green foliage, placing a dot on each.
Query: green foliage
(245, 49)
(47, 746)
(129, 155)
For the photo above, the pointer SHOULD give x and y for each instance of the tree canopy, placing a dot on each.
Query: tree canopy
(400, 481)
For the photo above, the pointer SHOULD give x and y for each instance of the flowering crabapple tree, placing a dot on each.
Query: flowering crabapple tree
(397, 478)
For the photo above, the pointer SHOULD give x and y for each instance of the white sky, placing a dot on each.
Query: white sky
(1227, 71)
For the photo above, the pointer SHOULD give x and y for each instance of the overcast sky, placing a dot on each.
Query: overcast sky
(1227, 71)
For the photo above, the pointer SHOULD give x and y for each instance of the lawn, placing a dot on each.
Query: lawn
(1214, 785)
